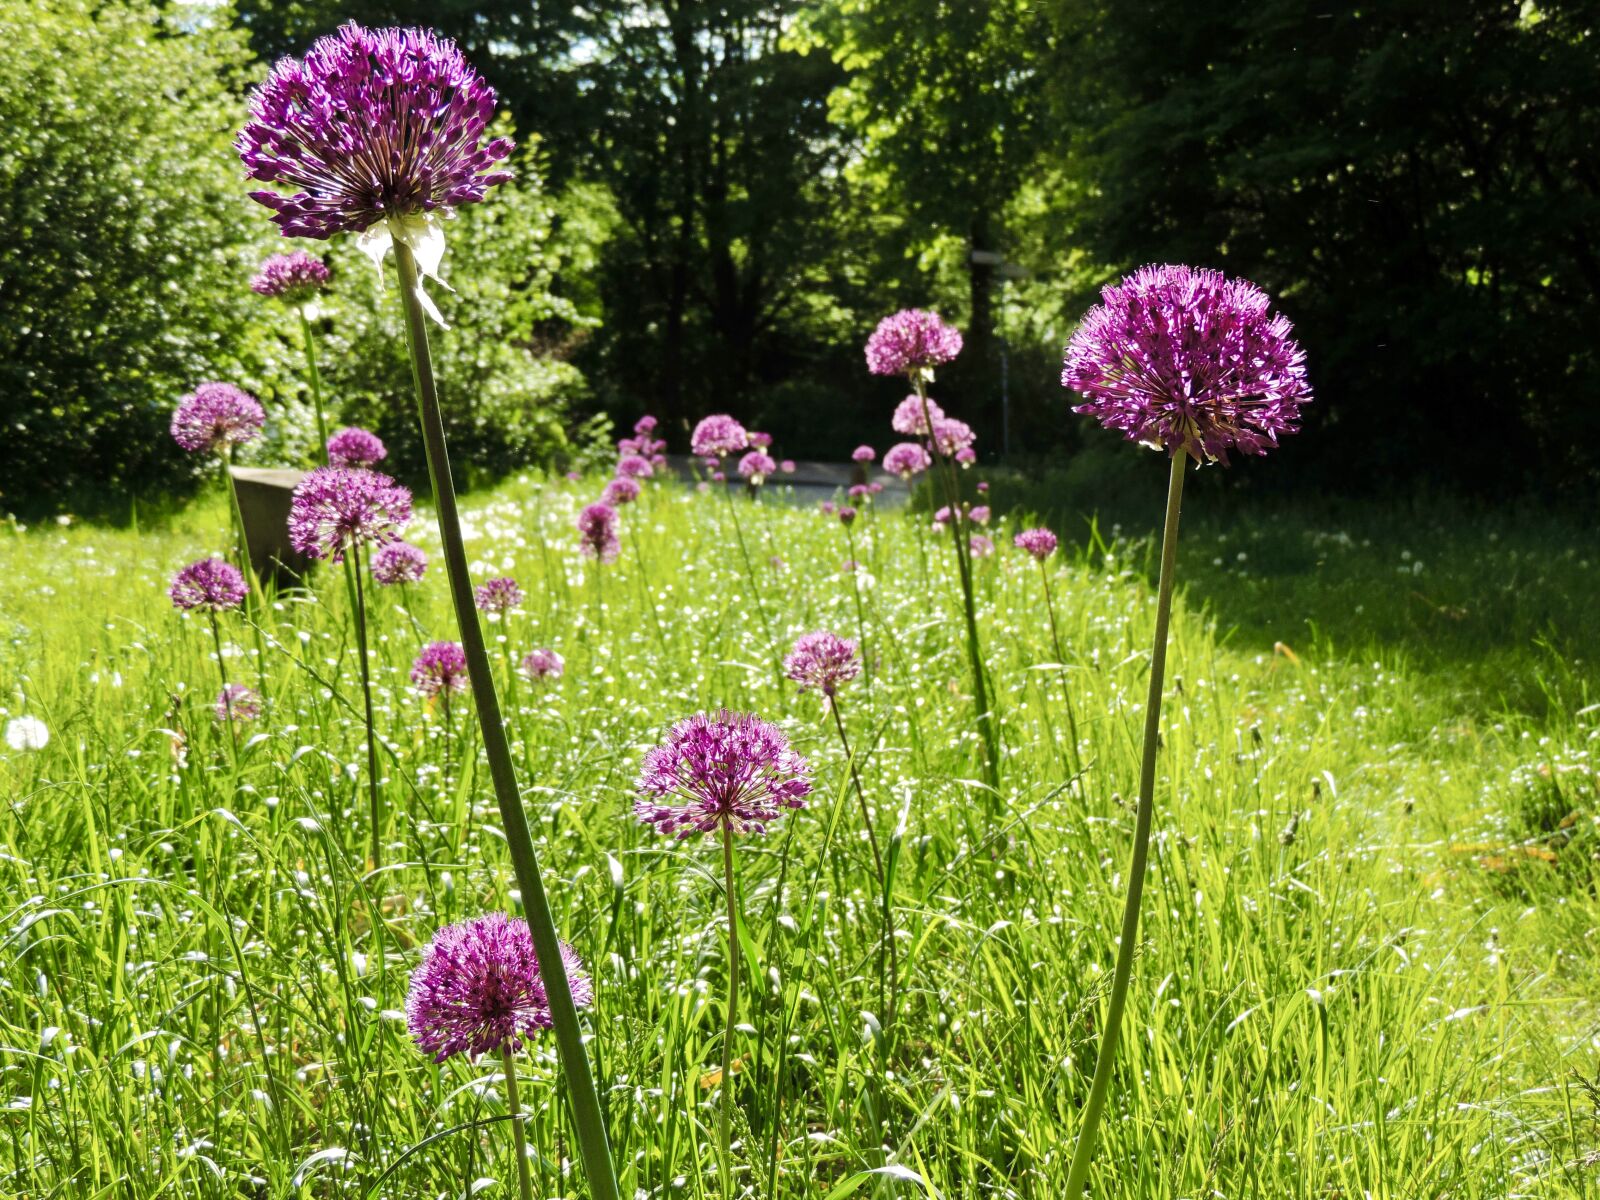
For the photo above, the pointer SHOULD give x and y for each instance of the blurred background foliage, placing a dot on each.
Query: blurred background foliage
(716, 202)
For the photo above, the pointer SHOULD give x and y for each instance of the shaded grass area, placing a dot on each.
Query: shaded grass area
(1367, 964)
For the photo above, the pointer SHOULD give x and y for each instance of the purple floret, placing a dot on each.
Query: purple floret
(209, 585)
(215, 416)
(730, 769)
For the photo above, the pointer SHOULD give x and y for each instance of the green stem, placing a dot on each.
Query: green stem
(242, 550)
(227, 704)
(519, 1136)
(725, 1118)
(888, 966)
(374, 796)
(315, 380)
(588, 1119)
(1105, 1059)
(861, 620)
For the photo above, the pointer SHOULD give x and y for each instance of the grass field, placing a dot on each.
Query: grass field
(1368, 964)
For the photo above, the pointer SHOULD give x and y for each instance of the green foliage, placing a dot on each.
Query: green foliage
(126, 241)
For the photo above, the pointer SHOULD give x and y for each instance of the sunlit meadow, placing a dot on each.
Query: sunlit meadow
(1361, 969)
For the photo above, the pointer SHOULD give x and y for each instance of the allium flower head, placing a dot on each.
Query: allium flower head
(356, 448)
(951, 436)
(979, 514)
(906, 459)
(875, 487)
(539, 665)
(912, 341)
(215, 416)
(235, 702)
(980, 545)
(847, 515)
(398, 562)
(620, 491)
(718, 435)
(645, 425)
(441, 667)
(910, 419)
(634, 466)
(759, 441)
(1190, 361)
(860, 491)
(941, 516)
(1040, 543)
(597, 533)
(786, 466)
(863, 454)
(729, 768)
(210, 585)
(478, 990)
(756, 466)
(498, 595)
(823, 661)
(335, 508)
(293, 278)
(373, 125)
(966, 456)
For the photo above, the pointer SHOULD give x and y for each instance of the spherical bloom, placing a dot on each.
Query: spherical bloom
(875, 487)
(983, 487)
(1189, 361)
(951, 436)
(863, 454)
(1040, 543)
(372, 125)
(498, 595)
(27, 733)
(718, 435)
(847, 515)
(906, 459)
(980, 546)
(759, 441)
(979, 514)
(541, 665)
(711, 463)
(941, 517)
(645, 425)
(215, 416)
(441, 667)
(356, 448)
(859, 491)
(787, 466)
(210, 585)
(731, 768)
(719, 477)
(627, 446)
(634, 466)
(619, 491)
(827, 507)
(756, 466)
(398, 562)
(335, 508)
(235, 702)
(293, 278)
(910, 419)
(823, 661)
(912, 340)
(597, 533)
(478, 990)
(966, 456)
(658, 460)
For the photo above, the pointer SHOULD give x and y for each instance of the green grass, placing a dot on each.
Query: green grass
(1367, 966)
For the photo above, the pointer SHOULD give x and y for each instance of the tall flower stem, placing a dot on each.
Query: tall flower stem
(1066, 691)
(588, 1120)
(315, 379)
(1105, 1059)
(374, 795)
(861, 620)
(980, 687)
(725, 1117)
(242, 549)
(888, 964)
(227, 701)
(519, 1135)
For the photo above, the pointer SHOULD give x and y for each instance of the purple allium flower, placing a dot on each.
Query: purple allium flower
(373, 125)
(210, 585)
(620, 491)
(787, 466)
(980, 546)
(847, 515)
(1190, 361)
(875, 487)
(718, 435)
(215, 416)
(859, 491)
(951, 436)
(979, 514)
(658, 460)
(441, 667)
(983, 487)
(906, 459)
(293, 278)
(356, 448)
(863, 454)
(1040, 543)
(759, 441)
(941, 517)
(711, 463)
(398, 562)
(478, 990)
(913, 340)
(731, 767)
(823, 661)
(756, 466)
(334, 508)
(627, 446)
(966, 456)
(909, 418)
(645, 425)
(574, 476)
(235, 702)
(597, 533)
(540, 665)
(634, 466)
(719, 477)
(827, 507)
(498, 595)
